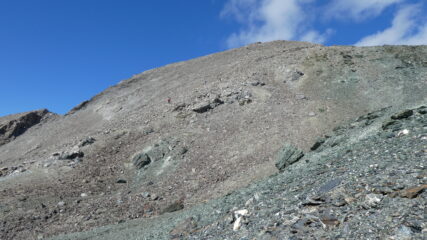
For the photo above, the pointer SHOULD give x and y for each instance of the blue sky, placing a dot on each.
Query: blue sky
(55, 53)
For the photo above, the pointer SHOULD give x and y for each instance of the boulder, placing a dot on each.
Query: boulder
(287, 156)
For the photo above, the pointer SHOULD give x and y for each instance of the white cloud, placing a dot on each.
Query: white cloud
(358, 9)
(267, 20)
(406, 29)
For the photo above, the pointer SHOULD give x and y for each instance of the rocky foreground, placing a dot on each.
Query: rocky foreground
(367, 180)
(170, 152)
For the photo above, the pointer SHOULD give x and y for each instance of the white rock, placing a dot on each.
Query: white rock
(243, 212)
(237, 224)
(83, 195)
(403, 132)
(372, 200)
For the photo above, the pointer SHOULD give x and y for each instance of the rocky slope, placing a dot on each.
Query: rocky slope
(367, 180)
(175, 137)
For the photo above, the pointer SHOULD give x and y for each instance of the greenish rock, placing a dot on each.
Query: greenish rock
(318, 143)
(158, 150)
(405, 114)
(141, 160)
(287, 156)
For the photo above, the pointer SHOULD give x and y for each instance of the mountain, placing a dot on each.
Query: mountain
(186, 146)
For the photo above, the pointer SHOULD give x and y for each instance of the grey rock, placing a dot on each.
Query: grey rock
(207, 106)
(141, 160)
(70, 155)
(87, 141)
(404, 114)
(287, 156)
(330, 185)
(296, 75)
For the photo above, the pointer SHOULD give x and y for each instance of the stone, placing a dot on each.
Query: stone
(257, 83)
(237, 224)
(422, 110)
(287, 156)
(87, 141)
(330, 185)
(318, 143)
(145, 194)
(207, 105)
(372, 200)
(173, 207)
(296, 75)
(121, 181)
(300, 97)
(70, 155)
(402, 115)
(141, 160)
(412, 192)
(403, 133)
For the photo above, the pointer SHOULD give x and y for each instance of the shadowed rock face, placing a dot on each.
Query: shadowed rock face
(194, 131)
(15, 125)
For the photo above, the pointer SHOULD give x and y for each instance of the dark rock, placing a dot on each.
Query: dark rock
(405, 114)
(287, 156)
(121, 181)
(422, 110)
(87, 141)
(71, 155)
(19, 124)
(141, 160)
(207, 106)
(317, 144)
(257, 83)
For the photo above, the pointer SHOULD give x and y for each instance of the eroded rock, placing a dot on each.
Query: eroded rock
(14, 125)
(287, 156)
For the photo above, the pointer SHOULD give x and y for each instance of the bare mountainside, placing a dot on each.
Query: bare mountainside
(189, 132)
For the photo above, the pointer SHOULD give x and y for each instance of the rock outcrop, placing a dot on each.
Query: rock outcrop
(15, 125)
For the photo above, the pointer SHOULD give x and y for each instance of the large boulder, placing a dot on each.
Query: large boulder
(287, 156)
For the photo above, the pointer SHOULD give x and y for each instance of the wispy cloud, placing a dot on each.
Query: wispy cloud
(407, 28)
(267, 20)
(357, 10)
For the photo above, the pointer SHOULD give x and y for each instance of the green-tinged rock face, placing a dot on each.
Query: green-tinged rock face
(287, 156)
